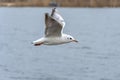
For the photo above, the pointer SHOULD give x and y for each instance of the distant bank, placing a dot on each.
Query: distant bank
(61, 3)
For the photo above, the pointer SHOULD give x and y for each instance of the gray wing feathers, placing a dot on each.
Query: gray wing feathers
(53, 27)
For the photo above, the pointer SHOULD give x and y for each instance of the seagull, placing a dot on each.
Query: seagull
(54, 35)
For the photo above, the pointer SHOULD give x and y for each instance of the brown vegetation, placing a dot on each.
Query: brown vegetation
(63, 3)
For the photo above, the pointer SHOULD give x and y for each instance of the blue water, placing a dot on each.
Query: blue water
(95, 57)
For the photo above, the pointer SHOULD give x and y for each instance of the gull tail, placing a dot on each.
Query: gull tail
(37, 42)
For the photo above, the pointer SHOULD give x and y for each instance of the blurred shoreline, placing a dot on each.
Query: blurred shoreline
(61, 3)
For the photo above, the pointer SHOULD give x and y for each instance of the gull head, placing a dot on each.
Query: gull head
(69, 38)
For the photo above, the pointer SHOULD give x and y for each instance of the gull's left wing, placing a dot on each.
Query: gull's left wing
(54, 24)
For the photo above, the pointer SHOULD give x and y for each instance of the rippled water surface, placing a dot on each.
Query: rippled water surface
(95, 57)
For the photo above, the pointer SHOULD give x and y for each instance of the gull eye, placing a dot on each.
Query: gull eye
(70, 38)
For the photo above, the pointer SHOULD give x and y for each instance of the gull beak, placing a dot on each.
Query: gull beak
(75, 41)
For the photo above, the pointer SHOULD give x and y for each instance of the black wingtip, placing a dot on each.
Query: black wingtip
(46, 16)
(53, 10)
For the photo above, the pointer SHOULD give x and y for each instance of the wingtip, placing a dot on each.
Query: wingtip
(46, 14)
(53, 10)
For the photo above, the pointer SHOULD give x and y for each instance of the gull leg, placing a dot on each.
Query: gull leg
(38, 44)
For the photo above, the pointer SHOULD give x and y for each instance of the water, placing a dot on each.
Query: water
(95, 57)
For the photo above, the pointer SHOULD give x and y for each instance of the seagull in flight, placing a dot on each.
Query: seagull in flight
(54, 31)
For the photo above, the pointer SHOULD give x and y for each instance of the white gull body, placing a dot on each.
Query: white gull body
(54, 31)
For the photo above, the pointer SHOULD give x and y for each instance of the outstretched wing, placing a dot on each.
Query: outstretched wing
(54, 24)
